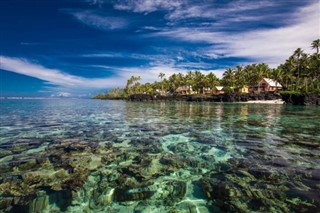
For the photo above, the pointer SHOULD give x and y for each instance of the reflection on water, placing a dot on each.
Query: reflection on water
(116, 156)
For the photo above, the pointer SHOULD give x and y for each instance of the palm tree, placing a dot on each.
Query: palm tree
(240, 77)
(289, 68)
(173, 82)
(262, 71)
(161, 75)
(198, 81)
(298, 53)
(181, 79)
(316, 45)
(314, 70)
(229, 78)
(130, 82)
(190, 80)
(277, 75)
(211, 81)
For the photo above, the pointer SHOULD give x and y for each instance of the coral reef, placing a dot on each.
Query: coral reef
(190, 157)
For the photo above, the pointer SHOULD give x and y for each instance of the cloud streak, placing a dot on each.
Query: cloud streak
(67, 82)
(54, 76)
(147, 6)
(268, 45)
(99, 21)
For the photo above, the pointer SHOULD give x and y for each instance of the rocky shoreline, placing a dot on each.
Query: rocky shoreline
(290, 99)
(301, 99)
(230, 97)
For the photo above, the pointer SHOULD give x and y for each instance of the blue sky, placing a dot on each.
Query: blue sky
(81, 47)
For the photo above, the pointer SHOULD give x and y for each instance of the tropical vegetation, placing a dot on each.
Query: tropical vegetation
(300, 73)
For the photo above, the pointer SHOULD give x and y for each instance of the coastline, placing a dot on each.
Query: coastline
(262, 98)
(278, 101)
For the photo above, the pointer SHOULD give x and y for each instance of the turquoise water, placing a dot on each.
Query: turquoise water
(117, 156)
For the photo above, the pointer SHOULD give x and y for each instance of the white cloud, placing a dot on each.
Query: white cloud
(65, 85)
(96, 2)
(62, 94)
(272, 46)
(184, 9)
(147, 6)
(162, 58)
(100, 22)
(57, 77)
(104, 55)
(70, 83)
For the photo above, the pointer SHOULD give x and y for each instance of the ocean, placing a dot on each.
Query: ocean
(82, 155)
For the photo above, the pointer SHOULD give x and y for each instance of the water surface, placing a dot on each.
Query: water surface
(116, 156)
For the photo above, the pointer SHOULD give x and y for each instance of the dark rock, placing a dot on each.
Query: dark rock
(305, 195)
(228, 97)
(313, 174)
(261, 173)
(179, 189)
(127, 194)
(141, 97)
(23, 200)
(62, 199)
(301, 99)
(281, 162)
(5, 204)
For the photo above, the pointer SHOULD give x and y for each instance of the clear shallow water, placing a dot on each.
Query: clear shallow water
(116, 156)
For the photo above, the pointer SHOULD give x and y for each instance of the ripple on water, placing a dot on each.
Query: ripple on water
(116, 156)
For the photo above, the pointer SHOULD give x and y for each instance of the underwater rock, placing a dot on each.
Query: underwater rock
(6, 203)
(4, 153)
(40, 203)
(6, 159)
(169, 191)
(173, 161)
(145, 168)
(281, 162)
(181, 147)
(76, 179)
(261, 173)
(5, 168)
(258, 189)
(62, 199)
(28, 165)
(124, 195)
(177, 190)
(192, 206)
(146, 145)
(23, 200)
(299, 200)
(313, 174)
(52, 179)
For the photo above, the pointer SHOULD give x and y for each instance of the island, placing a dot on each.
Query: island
(296, 82)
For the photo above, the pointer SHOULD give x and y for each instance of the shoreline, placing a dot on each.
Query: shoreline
(262, 98)
(276, 102)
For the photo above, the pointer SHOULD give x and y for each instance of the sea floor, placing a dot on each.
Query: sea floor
(117, 156)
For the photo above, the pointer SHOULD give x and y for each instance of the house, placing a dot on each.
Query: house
(244, 89)
(161, 92)
(219, 90)
(207, 90)
(268, 85)
(185, 90)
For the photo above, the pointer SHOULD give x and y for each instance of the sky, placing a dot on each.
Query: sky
(77, 48)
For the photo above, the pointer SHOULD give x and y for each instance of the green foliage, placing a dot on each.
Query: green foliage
(299, 74)
(100, 96)
(228, 89)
